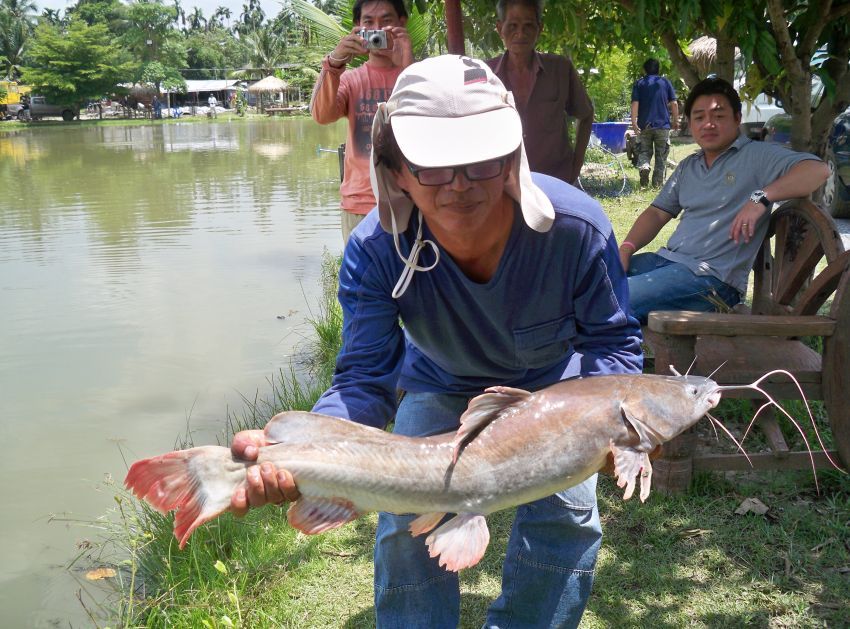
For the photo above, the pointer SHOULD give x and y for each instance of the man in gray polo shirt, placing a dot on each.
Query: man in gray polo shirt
(723, 194)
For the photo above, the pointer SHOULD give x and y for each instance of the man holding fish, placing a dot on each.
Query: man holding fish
(499, 277)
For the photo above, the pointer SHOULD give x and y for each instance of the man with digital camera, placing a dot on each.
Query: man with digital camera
(379, 32)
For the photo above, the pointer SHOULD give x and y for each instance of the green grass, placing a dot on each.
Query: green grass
(671, 562)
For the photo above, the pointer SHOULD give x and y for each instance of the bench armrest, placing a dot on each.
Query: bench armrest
(688, 323)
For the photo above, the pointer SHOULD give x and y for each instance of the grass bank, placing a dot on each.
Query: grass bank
(671, 562)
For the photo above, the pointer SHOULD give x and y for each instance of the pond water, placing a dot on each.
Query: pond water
(149, 277)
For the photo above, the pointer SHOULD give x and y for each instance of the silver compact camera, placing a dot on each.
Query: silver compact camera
(375, 40)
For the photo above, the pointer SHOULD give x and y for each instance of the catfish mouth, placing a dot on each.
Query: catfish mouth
(712, 398)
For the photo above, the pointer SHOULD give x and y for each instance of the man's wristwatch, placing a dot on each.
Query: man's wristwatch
(760, 197)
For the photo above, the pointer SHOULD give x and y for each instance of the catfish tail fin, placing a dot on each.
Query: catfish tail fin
(197, 483)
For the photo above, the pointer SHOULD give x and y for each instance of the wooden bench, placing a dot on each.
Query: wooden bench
(739, 347)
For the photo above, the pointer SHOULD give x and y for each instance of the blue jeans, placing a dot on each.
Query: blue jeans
(548, 570)
(656, 283)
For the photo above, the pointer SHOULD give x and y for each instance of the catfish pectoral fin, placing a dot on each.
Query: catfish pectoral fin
(628, 465)
(645, 480)
(460, 542)
(314, 515)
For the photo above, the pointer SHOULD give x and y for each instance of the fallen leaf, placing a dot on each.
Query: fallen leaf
(685, 534)
(100, 573)
(752, 504)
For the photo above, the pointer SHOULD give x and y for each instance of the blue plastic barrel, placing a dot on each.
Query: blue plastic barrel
(612, 135)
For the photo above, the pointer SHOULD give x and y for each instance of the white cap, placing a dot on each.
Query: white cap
(452, 110)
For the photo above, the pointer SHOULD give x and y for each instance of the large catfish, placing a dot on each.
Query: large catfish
(512, 447)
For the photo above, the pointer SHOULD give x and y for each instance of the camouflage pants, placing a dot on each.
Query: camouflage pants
(659, 141)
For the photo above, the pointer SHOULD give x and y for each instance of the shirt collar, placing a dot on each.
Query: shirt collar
(501, 65)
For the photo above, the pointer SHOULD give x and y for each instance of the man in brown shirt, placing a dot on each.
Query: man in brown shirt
(546, 89)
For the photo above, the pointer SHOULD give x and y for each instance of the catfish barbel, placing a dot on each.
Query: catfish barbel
(512, 447)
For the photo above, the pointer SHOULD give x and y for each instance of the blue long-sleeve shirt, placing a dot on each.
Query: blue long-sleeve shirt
(555, 308)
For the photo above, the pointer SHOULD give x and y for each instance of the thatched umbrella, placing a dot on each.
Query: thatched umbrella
(270, 84)
(704, 54)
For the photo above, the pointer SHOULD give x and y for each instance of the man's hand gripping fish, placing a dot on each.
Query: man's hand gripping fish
(512, 447)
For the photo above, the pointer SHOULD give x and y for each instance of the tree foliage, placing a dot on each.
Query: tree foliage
(774, 46)
(781, 45)
(17, 21)
(778, 41)
(70, 67)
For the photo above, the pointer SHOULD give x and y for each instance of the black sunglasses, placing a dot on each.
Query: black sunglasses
(443, 175)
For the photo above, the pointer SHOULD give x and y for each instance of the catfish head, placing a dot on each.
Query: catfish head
(661, 407)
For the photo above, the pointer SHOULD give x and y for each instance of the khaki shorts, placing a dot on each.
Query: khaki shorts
(349, 221)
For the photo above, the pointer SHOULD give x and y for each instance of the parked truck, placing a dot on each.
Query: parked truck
(40, 108)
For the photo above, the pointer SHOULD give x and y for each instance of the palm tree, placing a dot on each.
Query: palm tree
(251, 18)
(52, 17)
(20, 9)
(221, 14)
(267, 52)
(14, 37)
(180, 15)
(197, 21)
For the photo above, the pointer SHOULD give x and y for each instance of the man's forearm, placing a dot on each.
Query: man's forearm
(803, 178)
(324, 106)
(584, 126)
(647, 226)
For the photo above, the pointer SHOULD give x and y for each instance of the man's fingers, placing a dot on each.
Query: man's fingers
(256, 490)
(239, 503)
(272, 491)
(287, 486)
(247, 443)
(264, 484)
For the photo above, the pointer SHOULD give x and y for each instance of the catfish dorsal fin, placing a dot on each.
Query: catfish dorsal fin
(481, 411)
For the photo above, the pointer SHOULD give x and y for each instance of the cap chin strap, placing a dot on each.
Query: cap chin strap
(410, 262)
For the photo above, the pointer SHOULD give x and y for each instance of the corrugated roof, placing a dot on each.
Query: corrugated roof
(210, 85)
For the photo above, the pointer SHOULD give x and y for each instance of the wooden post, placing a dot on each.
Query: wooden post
(454, 27)
(673, 470)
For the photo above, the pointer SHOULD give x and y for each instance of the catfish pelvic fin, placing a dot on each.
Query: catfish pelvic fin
(460, 542)
(481, 411)
(313, 515)
(425, 523)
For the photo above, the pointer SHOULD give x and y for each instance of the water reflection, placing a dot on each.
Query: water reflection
(142, 270)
